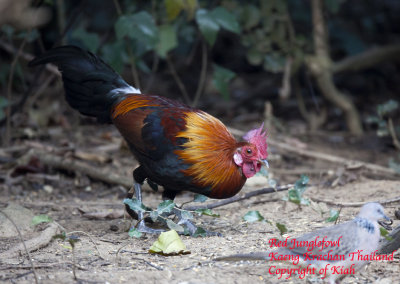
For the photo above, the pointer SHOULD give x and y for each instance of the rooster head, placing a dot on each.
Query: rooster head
(252, 154)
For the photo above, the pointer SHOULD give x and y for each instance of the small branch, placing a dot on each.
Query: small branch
(32, 98)
(33, 244)
(154, 68)
(10, 253)
(355, 204)
(117, 7)
(9, 89)
(27, 56)
(91, 239)
(60, 6)
(148, 263)
(203, 74)
(240, 197)
(367, 59)
(76, 166)
(178, 80)
(134, 71)
(285, 90)
(334, 159)
(320, 34)
(313, 119)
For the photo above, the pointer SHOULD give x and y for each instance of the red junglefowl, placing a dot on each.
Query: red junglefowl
(178, 147)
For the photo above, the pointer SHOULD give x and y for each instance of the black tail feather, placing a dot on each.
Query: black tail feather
(91, 86)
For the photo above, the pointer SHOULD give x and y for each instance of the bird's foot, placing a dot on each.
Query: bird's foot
(191, 229)
(145, 229)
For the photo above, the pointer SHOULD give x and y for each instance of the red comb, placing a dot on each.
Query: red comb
(259, 139)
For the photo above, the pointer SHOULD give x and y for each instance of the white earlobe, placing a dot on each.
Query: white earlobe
(238, 159)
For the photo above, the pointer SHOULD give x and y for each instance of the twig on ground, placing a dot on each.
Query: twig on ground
(117, 252)
(33, 244)
(240, 197)
(44, 265)
(332, 158)
(84, 168)
(149, 263)
(356, 204)
(57, 206)
(11, 252)
(91, 239)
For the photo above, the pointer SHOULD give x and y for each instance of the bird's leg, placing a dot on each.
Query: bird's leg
(139, 177)
(192, 228)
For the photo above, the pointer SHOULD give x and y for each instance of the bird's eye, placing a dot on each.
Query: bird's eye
(249, 151)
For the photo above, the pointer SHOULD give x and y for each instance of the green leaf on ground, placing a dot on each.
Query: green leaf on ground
(154, 216)
(165, 207)
(200, 198)
(253, 216)
(187, 215)
(169, 243)
(207, 212)
(134, 233)
(134, 204)
(200, 232)
(333, 216)
(173, 226)
(282, 228)
(41, 219)
(295, 195)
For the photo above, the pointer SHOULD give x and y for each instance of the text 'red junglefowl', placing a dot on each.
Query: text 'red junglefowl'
(178, 147)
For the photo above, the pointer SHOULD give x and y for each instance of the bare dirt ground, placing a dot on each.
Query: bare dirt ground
(66, 196)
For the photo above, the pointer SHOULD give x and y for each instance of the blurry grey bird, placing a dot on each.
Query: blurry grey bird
(361, 234)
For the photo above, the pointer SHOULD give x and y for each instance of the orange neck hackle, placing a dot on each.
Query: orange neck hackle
(209, 151)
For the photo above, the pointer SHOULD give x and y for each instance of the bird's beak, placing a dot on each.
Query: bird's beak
(264, 162)
(386, 225)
